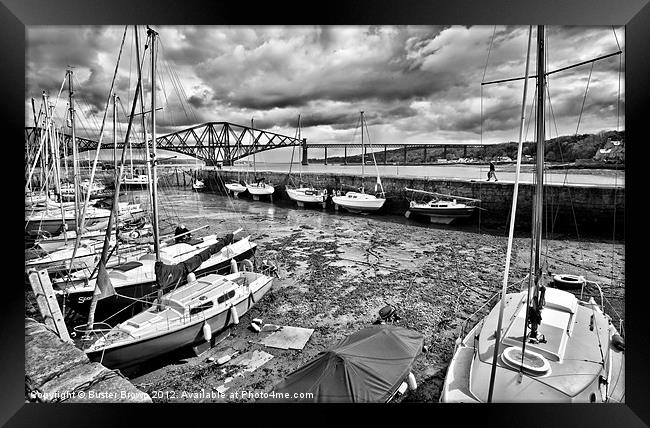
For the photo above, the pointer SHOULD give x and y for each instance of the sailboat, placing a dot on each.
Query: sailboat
(259, 187)
(136, 278)
(541, 344)
(190, 313)
(441, 208)
(187, 316)
(55, 217)
(362, 202)
(304, 194)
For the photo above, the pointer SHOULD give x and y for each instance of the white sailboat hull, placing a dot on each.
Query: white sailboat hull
(359, 202)
(172, 331)
(260, 190)
(307, 195)
(443, 212)
(574, 361)
(236, 188)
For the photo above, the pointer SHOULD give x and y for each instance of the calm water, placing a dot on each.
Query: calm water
(504, 172)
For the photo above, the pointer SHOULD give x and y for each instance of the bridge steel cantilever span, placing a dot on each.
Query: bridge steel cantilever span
(212, 142)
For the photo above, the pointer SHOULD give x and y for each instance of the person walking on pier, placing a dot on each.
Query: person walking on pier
(492, 173)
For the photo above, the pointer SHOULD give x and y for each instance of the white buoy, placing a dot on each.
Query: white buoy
(207, 332)
(233, 266)
(255, 327)
(235, 316)
(191, 277)
(411, 382)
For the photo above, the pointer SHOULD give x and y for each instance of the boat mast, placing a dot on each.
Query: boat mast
(113, 217)
(144, 121)
(537, 300)
(299, 139)
(154, 187)
(513, 211)
(253, 148)
(115, 206)
(363, 157)
(75, 155)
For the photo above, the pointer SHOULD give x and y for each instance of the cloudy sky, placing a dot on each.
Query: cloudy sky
(417, 84)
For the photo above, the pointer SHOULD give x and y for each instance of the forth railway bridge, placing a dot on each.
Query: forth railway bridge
(222, 143)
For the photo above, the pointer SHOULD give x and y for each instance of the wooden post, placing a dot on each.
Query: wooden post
(325, 155)
(345, 155)
(49, 307)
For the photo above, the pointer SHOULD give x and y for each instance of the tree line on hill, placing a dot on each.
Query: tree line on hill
(607, 147)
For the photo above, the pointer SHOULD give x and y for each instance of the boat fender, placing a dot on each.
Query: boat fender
(255, 327)
(618, 342)
(246, 265)
(411, 382)
(207, 332)
(235, 316)
(233, 266)
(191, 277)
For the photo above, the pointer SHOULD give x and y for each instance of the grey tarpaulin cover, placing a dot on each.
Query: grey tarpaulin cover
(170, 275)
(365, 367)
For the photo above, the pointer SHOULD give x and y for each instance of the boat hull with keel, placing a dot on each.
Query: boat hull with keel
(307, 195)
(556, 370)
(188, 316)
(137, 279)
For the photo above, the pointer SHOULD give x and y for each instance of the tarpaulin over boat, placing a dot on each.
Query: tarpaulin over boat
(170, 275)
(365, 367)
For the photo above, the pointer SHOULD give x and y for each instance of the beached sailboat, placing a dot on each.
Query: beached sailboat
(52, 221)
(137, 277)
(260, 187)
(362, 202)
(304, 194)
(236, 188)
(541, 344)
(187, 315)
(441, 208)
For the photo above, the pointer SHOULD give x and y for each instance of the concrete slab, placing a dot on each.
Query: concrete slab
(288, 338)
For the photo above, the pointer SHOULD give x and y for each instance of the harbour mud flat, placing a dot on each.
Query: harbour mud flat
(337, 272)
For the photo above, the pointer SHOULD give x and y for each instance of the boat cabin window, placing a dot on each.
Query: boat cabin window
(202, 307)
(226, 296)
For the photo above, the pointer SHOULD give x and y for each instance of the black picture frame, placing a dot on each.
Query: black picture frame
(15, 15)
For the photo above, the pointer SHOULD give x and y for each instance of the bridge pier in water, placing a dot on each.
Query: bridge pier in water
(304, 152)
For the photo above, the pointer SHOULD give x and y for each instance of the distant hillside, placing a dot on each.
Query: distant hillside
(607, 147)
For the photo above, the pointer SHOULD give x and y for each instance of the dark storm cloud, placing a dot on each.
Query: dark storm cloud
(413, 82)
